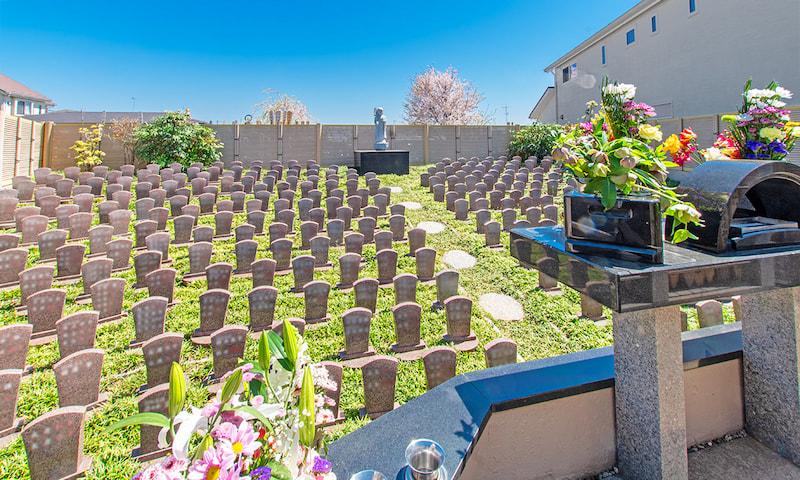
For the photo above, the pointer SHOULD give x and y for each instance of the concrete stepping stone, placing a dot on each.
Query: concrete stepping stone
(501, 307)
(411, 205)
(459, 259)
(431, 227)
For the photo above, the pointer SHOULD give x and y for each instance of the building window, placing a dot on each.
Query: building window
(631, 36)
(565, 75)
(653, 24)
(20, 108)
(603, 53)
(692, 6)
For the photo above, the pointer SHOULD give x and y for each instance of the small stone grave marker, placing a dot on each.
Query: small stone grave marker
(62, 215)
(10, 381)
(14, 342)
(12, 263)
(143, 207)
(183, 226)
(49, 459)
(459, 318)
(356, 324)
(99, 236)
(262, 302)
(263, 272)
(335, 229)
(440, 365)
(213, 309)
(32, 226)
(161, 283)
(142, 230)
(9, 241)
(76, 332)
(119, 251)
(222, 224)
(227, 347)
(405, 288)
(48, 242)
(320, 247)
(282, 254)
(78, 379)
(709, 313)
(500, 351)
(203, 233)
(218, 276)
(159, 242)
(349, 266)
(303, 269)
(92, 272)
(387, 266)
(155, 400)
(245, 251)
(107, 296)
(316, 301)
(149, 316)
(160, 215)
(69, 259)
(199, 258)
(145, 263)
(380, 378)
(407, 322)
(159, 353)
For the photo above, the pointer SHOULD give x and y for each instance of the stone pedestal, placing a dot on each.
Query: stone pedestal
(770, 334)
(649, 394)
(381, 162)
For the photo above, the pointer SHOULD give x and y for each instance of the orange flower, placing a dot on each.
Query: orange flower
(687, 135)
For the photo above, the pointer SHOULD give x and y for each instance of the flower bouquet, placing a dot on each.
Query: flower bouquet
(260, 425)
(762, 129)
(611, 154)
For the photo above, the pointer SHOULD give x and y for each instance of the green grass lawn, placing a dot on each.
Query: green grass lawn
(551, 327)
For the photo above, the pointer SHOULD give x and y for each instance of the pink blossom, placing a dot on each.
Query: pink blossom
(257, 401)
(230, 416)
(224, 431)
(243, 441)
(248, 377)
(211, 408)
(216, 463)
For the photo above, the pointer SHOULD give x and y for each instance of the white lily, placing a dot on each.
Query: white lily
(190, 422)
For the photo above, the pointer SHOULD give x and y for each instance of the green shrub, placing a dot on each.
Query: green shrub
(87, 148)
(174, 137)
(534, 140)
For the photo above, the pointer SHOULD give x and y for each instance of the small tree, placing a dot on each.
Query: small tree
(537, 140)
(174, 137)
(123, 129)
(282, 109)
(87, 148)
(441, 98)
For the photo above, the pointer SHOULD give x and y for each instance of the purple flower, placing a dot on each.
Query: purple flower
(261, 473)
(321, 465)
(778, 147)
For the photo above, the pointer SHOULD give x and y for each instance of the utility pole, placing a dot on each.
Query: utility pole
(505, 107)
(133, 104)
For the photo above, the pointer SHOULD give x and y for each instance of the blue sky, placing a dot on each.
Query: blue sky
(340, 58)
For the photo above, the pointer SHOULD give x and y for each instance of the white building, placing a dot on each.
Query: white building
(17, 99)
(686, 57)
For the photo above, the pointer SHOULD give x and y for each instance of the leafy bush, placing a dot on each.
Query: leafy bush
(534, 140)
(87, 148)
(174, 137)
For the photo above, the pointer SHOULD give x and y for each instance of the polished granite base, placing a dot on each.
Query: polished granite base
(686, 276)
(381, 162)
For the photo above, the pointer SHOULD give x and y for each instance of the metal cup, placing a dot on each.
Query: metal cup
(368, 475)
(425, 458)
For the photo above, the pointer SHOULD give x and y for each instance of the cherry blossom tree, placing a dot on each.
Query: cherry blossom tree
(441, 98)
(279, 108)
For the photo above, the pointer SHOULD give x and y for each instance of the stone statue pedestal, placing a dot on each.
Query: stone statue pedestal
(381, 161)
(382, 146)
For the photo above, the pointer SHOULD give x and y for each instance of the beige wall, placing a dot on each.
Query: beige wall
(328, 144)
(574, 436)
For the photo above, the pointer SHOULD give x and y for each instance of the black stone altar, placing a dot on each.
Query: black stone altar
(685, 277)
(381, 162)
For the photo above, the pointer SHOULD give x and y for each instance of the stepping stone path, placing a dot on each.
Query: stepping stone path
(459, 259)
(501, 307)
(431, 227)
(411, 205)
